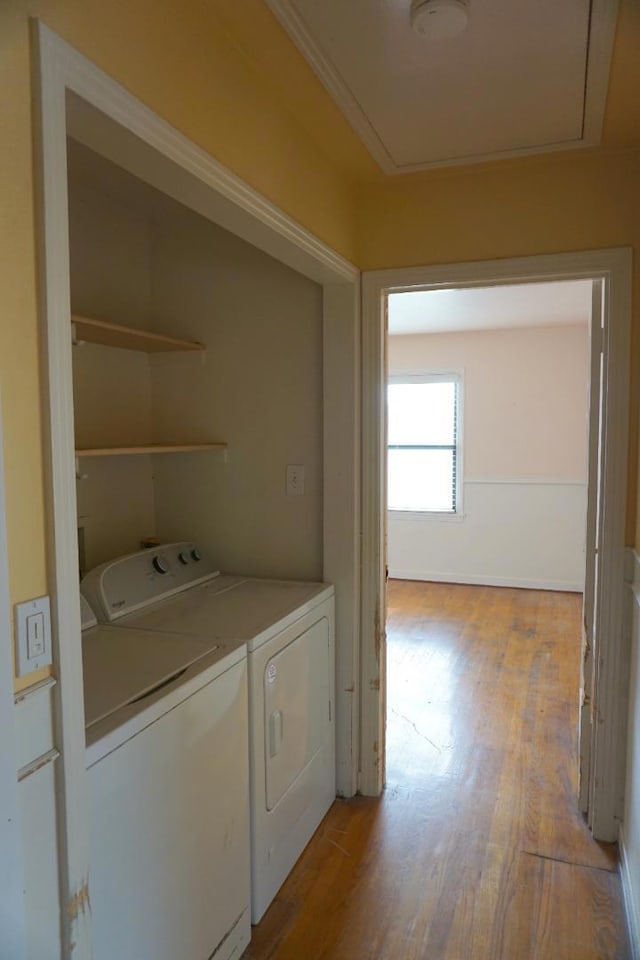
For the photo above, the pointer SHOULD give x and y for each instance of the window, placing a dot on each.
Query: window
(424, 443)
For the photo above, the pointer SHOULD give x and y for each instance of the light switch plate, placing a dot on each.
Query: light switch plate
(33, 635)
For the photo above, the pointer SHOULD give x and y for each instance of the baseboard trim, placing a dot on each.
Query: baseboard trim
(630, 902)
(481, 580)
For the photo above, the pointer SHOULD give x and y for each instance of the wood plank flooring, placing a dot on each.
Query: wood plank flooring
(476, 850)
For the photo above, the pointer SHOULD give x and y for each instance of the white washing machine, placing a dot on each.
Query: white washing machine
(288, 628)
(166, 718)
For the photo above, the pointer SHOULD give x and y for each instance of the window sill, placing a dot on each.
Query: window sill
(425, 515)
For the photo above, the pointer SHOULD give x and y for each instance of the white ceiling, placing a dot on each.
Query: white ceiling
(490, 308)
(526, 76)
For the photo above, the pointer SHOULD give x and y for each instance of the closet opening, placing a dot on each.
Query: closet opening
(136, 436)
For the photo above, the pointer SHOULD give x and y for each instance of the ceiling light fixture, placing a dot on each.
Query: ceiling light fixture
(439, 19)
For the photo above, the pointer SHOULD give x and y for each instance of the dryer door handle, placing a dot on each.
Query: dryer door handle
(276, 729)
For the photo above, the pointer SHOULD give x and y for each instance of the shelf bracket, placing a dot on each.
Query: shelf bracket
(79, 474)
(74, 337)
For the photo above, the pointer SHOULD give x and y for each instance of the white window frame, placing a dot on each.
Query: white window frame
(439, 376)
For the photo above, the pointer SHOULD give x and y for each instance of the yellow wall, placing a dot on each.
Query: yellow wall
(573, 201)
(181, 61)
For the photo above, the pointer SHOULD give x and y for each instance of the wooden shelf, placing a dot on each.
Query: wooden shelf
(128, 338)
(148, 448)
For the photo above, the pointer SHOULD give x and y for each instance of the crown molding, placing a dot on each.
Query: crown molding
(604, 14)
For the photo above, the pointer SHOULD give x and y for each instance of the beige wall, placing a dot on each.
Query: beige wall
(525, 396)
(139, 258)
(259, 388)
(111, 276)
(524, 458)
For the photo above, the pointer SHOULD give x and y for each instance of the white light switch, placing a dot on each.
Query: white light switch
(33, 635)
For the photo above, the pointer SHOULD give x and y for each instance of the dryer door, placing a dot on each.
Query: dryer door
(297, 707)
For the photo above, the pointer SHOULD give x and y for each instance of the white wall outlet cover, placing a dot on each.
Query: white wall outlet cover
(295, 480)
(33, 635)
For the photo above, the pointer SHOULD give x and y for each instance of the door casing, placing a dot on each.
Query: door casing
(613, 268)
(590, 595)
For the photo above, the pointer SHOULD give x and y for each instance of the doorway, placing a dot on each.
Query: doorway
(608, 338)
(487, 448)
(487, 403)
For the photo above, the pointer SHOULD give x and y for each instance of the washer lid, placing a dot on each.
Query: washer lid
(121, 666)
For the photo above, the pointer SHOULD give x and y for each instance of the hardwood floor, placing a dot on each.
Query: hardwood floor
(476, 850)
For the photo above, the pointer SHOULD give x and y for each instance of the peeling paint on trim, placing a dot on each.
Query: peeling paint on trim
(377, 630)
(79, 903)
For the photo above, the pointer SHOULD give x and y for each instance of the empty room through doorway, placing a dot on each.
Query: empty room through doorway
(488, 435)
(487, 489)
(487, 455)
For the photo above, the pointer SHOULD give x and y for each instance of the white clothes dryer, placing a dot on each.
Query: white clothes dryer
(166, 719)
(292, 735)
(288, 627)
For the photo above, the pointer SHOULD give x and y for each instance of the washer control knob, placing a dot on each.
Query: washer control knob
(196, 555)
(160, 565)
(184, 557)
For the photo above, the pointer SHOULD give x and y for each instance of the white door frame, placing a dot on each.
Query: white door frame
(12, 906)
(73, 95)
(613, 267)
(589, 595)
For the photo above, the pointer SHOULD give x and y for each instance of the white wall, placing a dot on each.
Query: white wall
(36, 759)
(630, 829)
(524, 460)
(15, 885)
